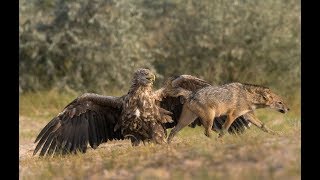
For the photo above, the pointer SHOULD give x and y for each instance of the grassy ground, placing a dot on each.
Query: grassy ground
(253, 155)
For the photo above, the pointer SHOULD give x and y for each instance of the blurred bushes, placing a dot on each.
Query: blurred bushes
(91, 45)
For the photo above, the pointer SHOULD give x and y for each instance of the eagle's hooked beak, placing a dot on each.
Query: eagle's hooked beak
(151, 78)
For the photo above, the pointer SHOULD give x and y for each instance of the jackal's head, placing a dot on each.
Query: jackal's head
(274, 101)
(264, 97)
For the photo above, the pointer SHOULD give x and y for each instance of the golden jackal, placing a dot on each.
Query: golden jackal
(233, 100)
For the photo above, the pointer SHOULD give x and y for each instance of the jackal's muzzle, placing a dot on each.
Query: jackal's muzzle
(282, 108)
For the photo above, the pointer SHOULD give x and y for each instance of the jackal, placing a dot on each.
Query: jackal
(232, 100)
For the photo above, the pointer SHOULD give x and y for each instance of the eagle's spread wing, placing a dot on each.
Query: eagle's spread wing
(89, 118)
(174, 104)
(188, 82)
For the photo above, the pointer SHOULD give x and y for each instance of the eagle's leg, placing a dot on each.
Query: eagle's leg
(134, 138)
(135, 142)
(158, 133)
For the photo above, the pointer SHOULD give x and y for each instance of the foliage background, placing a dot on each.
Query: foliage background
(68, 47)
(91, 45)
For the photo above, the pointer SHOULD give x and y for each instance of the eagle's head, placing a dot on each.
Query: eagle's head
(143, 77)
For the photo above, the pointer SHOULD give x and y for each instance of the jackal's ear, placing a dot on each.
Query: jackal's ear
(250, 90)
(267, 90)
(266, 96)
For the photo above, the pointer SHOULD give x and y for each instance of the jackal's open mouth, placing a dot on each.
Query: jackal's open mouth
(281, 110)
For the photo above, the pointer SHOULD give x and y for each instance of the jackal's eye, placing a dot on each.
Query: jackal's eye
(280, 102)
(265, 98)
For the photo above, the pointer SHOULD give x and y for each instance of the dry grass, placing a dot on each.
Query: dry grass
(253, 155)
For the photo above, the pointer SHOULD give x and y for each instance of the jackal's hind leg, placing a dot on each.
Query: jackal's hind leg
(187, 117)
(226, 125)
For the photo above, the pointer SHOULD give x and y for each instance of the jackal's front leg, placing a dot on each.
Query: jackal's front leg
(207, 127)
(207, 117)
(254, 120)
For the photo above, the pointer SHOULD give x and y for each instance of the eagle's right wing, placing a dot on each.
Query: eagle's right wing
(89, 118)
(188, 82)
(174, 104)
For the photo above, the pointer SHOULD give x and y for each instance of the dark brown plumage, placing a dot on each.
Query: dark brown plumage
(89, 118)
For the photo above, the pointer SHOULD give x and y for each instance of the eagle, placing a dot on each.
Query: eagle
(141, 115)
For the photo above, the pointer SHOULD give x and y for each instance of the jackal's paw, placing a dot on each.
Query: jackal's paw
(222, 132)
(220, 136)
(207, 134)
(276, 133)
